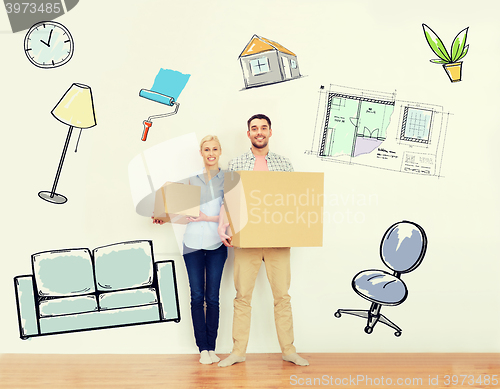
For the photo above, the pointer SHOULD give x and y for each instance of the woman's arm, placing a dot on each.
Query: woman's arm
(204, 218)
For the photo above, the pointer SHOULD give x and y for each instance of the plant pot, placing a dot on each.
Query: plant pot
(454, 71)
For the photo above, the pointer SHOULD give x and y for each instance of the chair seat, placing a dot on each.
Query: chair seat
(379, 287)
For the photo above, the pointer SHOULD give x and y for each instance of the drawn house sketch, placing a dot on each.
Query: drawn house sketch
(374, 129)
(112, 286)
(402, 250)
(266, 62)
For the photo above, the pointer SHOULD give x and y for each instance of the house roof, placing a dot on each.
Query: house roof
(259, 44)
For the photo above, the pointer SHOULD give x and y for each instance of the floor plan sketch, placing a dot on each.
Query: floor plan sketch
(356, 126)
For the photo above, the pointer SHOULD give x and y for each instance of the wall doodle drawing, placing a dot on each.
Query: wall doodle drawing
(166, 89)
(48, 45)
(75, 109)
(78, 290)
(370, 128)
(402, 250)
(450, 60)
(265, 62)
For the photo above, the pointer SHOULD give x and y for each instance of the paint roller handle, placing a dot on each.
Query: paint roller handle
(147, 126)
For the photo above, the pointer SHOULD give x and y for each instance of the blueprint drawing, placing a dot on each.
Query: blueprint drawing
(357, 126)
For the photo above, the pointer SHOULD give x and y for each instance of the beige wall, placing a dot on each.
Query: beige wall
(120, 47)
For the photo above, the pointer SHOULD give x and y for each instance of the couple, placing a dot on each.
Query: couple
(205, 253)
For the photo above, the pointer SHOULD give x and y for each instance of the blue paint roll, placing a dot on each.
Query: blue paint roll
(158, 97)
(166, 81)
(170, 82)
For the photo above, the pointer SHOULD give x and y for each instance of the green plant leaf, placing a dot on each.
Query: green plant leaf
(458, 45)
(435, 43)
(439, 61)
(466, 50)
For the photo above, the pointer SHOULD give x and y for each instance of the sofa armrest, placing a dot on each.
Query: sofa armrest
(167, 285)
(26, 307)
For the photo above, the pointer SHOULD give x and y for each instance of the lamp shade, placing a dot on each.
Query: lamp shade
(76, 107)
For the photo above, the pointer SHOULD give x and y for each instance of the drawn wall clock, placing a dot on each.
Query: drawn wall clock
(48, 45)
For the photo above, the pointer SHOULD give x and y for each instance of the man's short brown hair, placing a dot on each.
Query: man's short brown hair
(259, 116)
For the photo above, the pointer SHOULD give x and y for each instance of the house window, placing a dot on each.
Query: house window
(294, 64)
(417, 124)
(259, 66)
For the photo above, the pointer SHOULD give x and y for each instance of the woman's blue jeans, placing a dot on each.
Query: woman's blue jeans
(204, 268)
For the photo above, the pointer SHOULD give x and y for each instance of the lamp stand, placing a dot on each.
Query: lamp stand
(52, 196)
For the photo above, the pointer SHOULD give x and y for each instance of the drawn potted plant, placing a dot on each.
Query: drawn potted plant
(450, 61)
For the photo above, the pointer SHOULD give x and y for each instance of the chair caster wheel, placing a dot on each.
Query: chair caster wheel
(337, 314)
(397, 333)
(368, 330)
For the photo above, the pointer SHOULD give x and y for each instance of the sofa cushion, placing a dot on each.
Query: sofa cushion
(68, 305)
(101, 319)
(127, 298)
(124, 265)
(63, 272)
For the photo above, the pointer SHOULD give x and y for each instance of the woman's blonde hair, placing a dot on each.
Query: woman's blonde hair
(209, 138)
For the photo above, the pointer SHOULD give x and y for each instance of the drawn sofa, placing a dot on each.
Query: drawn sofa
(112, 286)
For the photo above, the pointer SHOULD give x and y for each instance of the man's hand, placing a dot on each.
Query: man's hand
(157, 221)
(226, 239)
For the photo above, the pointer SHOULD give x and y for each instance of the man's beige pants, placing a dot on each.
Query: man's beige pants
(246, 267)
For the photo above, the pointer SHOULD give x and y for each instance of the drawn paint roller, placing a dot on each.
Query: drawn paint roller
(159, 98)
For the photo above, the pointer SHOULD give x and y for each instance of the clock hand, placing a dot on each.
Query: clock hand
(47, 43)
(50, 37)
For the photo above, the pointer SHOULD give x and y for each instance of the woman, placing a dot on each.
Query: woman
(204, 254)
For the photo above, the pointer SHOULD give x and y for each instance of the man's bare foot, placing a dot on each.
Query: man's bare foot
(231, 360)
(296, 358)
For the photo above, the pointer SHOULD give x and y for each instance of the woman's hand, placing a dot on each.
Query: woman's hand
(157, 221)
(201, 218)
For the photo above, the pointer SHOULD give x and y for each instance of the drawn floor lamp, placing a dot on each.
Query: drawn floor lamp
(75, 109)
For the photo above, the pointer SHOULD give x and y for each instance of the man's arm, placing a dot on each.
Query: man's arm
(279, 163)
(285, 164)
(223, 229)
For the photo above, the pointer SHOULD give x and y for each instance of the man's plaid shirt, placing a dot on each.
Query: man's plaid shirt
(275, 162)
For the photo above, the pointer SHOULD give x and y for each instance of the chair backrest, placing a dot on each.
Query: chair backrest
(403, 246)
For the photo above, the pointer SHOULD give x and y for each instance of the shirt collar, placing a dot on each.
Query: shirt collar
(220, 174)
(252, 156)
(201, 173)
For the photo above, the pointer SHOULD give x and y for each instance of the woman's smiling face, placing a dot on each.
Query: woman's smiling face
(210, 151)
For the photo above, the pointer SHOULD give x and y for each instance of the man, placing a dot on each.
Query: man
(248, 261)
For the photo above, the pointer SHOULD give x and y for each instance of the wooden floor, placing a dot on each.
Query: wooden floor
(20, 371)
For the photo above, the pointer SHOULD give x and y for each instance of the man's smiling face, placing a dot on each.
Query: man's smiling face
(259, 133)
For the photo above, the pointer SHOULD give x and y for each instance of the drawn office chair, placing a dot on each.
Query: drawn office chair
(402, 250)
